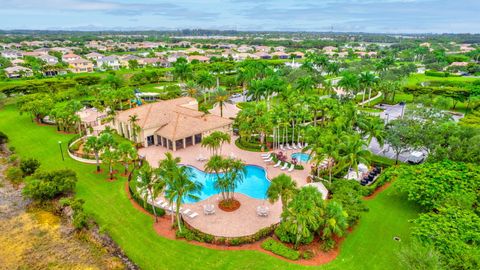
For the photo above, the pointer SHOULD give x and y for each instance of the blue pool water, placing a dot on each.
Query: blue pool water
(255, 183)
(302, 157)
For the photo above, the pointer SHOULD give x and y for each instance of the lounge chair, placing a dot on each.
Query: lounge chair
(288, 147)
(281, 147)
(186, 211)
(265, 155)
(305, 145)
(193, 215)
(268, 160)
(164, 205)
(294, 146)
(277, 164)
(291, 168)
(284, 166)
(300, 146)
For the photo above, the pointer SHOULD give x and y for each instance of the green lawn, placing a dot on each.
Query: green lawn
(370, 246)
(416, 78)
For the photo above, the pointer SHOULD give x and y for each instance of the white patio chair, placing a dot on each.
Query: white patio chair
(277, 164)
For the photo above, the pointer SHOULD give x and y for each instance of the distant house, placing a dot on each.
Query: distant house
(18, 72)
(199, 58)
(124, 59)
(280, 55)
(94, 56)
(12, 54)
(329, 49)
(34, 54)
(243, 56)
(49, 59)
(157, 62)
(70, 57)
(263, 55)
(262, 48)
(17, 62)
(109, 62)
(80, 65)
(244, 49)
(298, 54)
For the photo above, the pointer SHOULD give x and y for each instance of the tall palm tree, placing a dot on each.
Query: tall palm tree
(367, 81)
(150, 186)
(191, 89)
(220, 98)
(182, 69)
(282, 187)
(94, 145)
(205, 80)
(372, 127)
(349, 82)
(180, 183)
(133, 119)
(127, 154)
(215, 140)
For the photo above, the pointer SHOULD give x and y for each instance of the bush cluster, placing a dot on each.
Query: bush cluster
(44, 186)
(280, 249)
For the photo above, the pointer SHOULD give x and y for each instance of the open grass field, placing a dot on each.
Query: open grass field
(369, 246)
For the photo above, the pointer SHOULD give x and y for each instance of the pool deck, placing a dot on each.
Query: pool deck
(243, 221)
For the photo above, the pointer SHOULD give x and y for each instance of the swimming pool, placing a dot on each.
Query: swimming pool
(302, 157)
(255, 183)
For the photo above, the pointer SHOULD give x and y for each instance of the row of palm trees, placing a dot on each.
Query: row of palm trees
(176, 182)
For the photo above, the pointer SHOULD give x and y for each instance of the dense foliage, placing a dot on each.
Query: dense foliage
(280, 249)
(43, 186)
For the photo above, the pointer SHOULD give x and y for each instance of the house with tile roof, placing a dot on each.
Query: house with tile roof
(173, 124)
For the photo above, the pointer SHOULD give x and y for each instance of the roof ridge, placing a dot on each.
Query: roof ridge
(175, 128)
(146, 116)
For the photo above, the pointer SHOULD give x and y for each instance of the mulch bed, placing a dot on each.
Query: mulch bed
(229, 206)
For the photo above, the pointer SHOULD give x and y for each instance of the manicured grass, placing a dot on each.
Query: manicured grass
(370, 246)
(414, 79)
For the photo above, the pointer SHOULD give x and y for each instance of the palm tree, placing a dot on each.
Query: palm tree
(94, 145)
(150, 186)
(217, 69)
(179, 182)
(205, 80)
(305, 84)
(127, 154)
(349, 82)
(215, 140)
(133, 119)
(282, 187)
(182, 69)
(335, 221)
(367, 80)
(220, 98)
(235, 172)
(352, 152)
(372, 127)
(109, 157)
(191, 89)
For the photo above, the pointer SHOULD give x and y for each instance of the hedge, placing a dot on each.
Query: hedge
(190, 233)
(385, 177)
(248, 146)
(280, 249)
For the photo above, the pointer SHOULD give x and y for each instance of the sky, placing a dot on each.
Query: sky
(378, 16)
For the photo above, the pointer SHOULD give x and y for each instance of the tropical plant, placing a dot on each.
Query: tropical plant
(180, 183)
(282, 187)
(150, 186)
(215, 140)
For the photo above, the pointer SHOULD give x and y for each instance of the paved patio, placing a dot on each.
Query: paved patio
(243, 221)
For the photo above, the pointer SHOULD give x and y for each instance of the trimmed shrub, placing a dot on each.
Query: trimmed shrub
(280, 249)
(29, 166)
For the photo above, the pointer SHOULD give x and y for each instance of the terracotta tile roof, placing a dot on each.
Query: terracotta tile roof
(174, 119)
